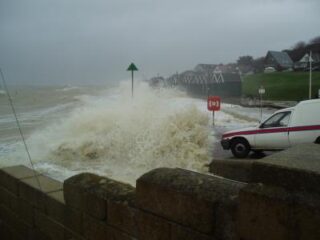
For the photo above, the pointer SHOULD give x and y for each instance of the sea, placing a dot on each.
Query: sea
(106, 131)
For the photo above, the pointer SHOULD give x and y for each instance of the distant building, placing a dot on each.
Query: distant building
(205, 67)
(278, 60)
(188, 77)
(303, 63)
(316, 61)
(316, 57)
(223, 68)
(209, 79)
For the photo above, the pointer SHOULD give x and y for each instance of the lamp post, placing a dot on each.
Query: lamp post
(310, 74)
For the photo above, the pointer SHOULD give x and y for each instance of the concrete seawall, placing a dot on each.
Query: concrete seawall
(166, 204)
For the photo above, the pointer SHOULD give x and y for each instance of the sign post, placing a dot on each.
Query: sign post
(132, 68)
(213, 104)
(262, 91)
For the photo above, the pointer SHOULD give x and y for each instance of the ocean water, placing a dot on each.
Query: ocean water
(103, 130)
(69, 130)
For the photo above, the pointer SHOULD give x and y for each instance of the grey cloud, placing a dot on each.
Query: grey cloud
(81, 41)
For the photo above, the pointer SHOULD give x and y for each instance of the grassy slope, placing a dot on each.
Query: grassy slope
(290, 86)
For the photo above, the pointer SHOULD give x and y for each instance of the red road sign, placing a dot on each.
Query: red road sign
(214, 103)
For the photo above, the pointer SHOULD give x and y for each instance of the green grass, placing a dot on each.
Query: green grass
(286, 86)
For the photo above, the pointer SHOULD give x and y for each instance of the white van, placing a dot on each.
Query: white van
(285, 128)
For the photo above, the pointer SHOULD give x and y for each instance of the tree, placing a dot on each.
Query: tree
(245, 63)
(299, 45)
(245, 60)
(315, 40)
(258, 65)
(297, 51)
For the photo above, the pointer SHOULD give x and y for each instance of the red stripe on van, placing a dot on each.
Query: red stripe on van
(304, 128)
(273, 130)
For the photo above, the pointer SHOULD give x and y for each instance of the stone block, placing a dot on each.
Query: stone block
(239, 170)
(8, 199)
(115, 234)
(25, 211)
(151, 227)
(51, 228)
(34, 189)
(76, 238)
(307, 223)
(56, 209)
(7, 233)
(2, 226)
(264, 213)
(225, 223)
(9, 176)
(75, 188)
(13, 221)
(98, 196)
(94, 229)
(36, 234)
(90, 193)
(122, 215)
(188, 198)
(179, 232)
(268, 212)
(297, 168)
(95, 205)
(55, 206)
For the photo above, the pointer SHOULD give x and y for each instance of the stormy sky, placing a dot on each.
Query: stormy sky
(94, 41)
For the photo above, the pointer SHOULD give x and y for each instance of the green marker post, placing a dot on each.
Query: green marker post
(132, 68)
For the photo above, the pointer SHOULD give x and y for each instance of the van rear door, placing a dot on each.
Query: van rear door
(305, 127)
(304, 134)
(273, 133)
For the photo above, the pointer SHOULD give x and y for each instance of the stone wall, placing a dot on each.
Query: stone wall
(282, 197)
(166, 204)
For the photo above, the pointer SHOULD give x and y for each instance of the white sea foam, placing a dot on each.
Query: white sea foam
(122, 137)
(67, 88)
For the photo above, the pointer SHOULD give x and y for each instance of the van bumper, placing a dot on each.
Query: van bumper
(225, 143)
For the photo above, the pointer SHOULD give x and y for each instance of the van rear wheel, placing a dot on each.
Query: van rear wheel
(240, 148)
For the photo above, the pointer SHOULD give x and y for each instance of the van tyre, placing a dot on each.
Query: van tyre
(240, 148)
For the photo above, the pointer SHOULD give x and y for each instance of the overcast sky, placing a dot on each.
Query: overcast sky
(94, 41)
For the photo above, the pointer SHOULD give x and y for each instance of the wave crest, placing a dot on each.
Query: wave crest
(122, 137)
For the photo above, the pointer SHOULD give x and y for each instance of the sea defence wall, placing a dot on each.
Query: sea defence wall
(166, 204)
(282, 197)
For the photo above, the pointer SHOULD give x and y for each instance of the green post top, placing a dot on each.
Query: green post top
(132, 67)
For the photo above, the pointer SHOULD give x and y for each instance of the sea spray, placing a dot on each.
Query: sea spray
(122, 138)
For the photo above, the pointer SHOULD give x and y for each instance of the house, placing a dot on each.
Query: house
(278, 60)
(316, 57)
(303, 63)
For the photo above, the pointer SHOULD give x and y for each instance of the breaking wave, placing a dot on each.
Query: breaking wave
(122, 138)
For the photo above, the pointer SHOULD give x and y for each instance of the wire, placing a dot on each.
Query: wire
(19, 127)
